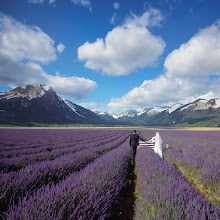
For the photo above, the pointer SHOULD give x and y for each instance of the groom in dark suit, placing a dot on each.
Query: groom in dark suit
(134, 142)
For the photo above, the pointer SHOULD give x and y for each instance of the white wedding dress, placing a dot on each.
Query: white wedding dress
(157, 144)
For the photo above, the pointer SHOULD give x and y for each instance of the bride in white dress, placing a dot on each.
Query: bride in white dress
(157, 144)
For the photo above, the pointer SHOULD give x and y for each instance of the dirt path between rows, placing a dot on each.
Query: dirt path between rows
(125, 210)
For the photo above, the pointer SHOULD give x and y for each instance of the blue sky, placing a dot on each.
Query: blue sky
(113, 55)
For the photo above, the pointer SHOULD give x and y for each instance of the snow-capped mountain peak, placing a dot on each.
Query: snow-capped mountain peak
(156, 110)
(128, 114)
(29, 92)
(202, 104)
(214, 103)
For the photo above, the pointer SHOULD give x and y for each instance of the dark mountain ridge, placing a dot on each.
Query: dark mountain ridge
(40, 104)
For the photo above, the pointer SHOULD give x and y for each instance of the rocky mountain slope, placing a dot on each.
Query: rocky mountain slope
(41, 104)
(198, 113)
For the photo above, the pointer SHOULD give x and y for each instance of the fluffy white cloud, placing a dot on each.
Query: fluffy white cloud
(83, 3)
(112, 21)
(151, 18)
(21, 42)
(20, 74)
(199, 56)
(14, 73)
(116, 6)
(73, 87)
(41, 1)
(36, 1)
(186, 77)
(20, 45)
(161, 91)
(126, 48)
(209, 95)
(52, 1)
(60, 47)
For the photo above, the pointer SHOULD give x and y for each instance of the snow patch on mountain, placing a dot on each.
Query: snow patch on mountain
(186, 106)
(173, 108)
(156, 110)
(141, 112)
(2, 93)
(72, 107)
(202, 104)
(115, 116)
(46, 87)
(102, 113)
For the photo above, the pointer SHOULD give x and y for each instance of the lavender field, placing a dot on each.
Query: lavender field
(82, 174)
(183, 185)
(62, 174)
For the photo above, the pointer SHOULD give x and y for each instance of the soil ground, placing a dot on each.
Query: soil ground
(125, 210)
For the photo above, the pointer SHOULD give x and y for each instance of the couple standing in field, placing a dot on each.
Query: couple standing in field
(156, 140)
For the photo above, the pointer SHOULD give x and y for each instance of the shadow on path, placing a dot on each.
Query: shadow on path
(125, 210)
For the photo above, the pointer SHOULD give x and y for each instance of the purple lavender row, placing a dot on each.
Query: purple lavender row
(163, 193)
(193, 143)
(90, 194)
(187, 145)
(25, 141)
(203, 139)
(203, 166)
(17, 184)
(199, 164)
(11, 138)
(23, 160)
(196, 150)
(205, 173)
(58, 144)
(17, 163)
(68, 140)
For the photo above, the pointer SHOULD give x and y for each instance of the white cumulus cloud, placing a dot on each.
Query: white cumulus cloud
(23, 42)
(60, 47)
(151, 18)
(41, 1)
(73, 87)
(36, 1)
(83, 3)
(161, 91)
(22, 49)
(16, 73)
(126, 48)
(186, 77)
(52, 1)
(199, 56)
(20, 74)
(116, 6)
(112, 21)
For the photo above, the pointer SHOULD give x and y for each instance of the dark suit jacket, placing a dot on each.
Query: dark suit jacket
(134, 140)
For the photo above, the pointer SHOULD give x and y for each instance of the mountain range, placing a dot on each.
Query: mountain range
(39, 104)
(201, 112)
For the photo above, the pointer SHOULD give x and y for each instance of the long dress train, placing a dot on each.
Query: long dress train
(158, 145)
